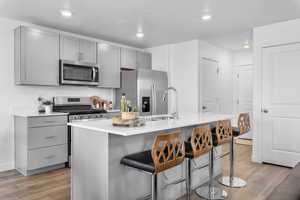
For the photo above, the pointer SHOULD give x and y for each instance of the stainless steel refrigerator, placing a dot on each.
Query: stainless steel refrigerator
(145, 89)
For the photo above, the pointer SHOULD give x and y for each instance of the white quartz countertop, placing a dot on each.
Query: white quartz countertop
(151, 126)
(36, 114)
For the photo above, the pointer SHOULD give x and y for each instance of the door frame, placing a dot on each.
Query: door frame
(235, 79)
(202, 59)
(257, 93)
(236, 70)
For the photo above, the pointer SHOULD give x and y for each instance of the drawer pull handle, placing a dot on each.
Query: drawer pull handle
(49, 157)
(50, 137)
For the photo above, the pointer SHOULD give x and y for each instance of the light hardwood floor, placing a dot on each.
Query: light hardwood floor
(262, 179)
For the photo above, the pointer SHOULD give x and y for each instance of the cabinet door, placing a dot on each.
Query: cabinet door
(39, 56)
(69, 48)
(109, 62)
(87, 51)
(144, 60)
(128, 58)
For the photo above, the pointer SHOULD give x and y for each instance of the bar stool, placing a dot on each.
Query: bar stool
(199, 144)
(222, 134)
(167, 151)
(243, 127)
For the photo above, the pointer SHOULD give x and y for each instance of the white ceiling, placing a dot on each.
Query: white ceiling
(232, 42)
(163, 21)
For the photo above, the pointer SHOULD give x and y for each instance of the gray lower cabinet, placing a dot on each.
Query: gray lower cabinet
(144, 60)
(36, 56)
(109, 66)
(77, 49)
(128, 58)
(40, 143)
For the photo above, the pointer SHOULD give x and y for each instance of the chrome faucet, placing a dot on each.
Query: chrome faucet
(174, 114)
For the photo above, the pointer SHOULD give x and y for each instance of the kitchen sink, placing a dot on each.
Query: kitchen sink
(159, 117)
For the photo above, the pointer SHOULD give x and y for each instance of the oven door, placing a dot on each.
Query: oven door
(73, 73)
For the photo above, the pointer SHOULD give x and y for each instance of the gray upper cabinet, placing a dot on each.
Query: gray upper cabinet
(88, 51)
(144, 60)
(109, 65)
(128, 58)
(69, 48)
(77, 49)
(36, 56)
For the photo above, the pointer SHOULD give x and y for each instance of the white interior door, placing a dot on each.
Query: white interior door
(281, 105)
(210, 86)
(243, 89)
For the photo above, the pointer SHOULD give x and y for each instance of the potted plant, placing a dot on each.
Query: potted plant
(46, 104)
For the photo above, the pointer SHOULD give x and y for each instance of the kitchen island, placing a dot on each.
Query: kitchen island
(97, 148)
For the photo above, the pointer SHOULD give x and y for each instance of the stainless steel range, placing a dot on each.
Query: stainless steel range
(78, 108)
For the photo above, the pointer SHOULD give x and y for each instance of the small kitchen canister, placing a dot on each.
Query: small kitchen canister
(48, 109)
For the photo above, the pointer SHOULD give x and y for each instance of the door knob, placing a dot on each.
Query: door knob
(203, 107)
(265, 110)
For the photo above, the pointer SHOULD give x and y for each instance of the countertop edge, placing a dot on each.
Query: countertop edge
(39, 114)
(139, 132)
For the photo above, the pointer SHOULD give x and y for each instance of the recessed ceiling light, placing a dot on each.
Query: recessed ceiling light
(246, 46)
(66, 13)
(139, 34)
(206, 17)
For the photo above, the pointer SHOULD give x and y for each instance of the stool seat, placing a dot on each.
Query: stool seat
(235, 131)
(188, 150)
(214, 137)
(142, 161)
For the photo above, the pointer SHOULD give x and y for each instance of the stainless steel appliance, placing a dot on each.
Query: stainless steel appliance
(145, 89)
(78, 108)
(75, 73)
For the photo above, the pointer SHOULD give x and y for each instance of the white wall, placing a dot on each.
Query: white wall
(224, 58)
(182, 61)
(160, 58)
(23, 97)
(240, 58)
(184, 74)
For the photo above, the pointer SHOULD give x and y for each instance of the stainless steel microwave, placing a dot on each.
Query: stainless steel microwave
(76, 73)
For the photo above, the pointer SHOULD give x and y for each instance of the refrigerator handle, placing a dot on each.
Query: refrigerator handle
(153, 100)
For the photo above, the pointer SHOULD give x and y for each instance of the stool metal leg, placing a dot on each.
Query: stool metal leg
(231, 181)
(154, 187)
(211, 192)
(188, 179)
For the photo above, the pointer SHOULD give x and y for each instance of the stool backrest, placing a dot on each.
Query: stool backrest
(201, 140)
(224, 131)
(244, 123)
(168, 151)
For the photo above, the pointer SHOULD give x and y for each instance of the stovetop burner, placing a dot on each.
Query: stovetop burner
(77, 110)
(75, 105)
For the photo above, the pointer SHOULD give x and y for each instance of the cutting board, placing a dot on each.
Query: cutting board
(117, 121)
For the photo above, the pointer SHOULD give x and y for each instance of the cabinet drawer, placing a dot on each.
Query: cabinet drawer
(48, 156)
(47, 121)
(47, 136)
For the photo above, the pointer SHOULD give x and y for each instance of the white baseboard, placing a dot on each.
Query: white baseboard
(6, 166)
